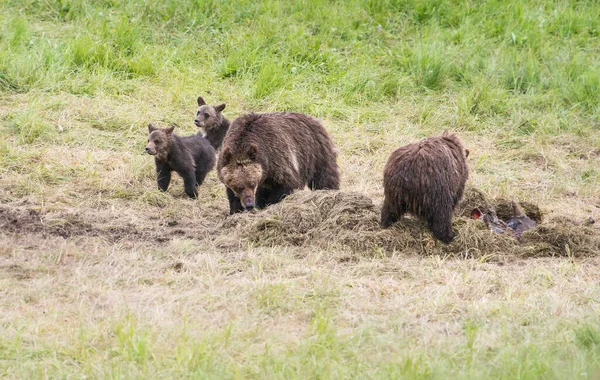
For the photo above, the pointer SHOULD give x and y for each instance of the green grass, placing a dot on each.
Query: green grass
(353, 53)
(79, 81)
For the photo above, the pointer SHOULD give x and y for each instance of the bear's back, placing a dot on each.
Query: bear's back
(292, 147)
(429, 164)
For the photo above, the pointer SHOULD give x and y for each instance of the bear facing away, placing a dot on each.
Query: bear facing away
(192, 157)
(427, 179)
(267, 156)
(211, 122)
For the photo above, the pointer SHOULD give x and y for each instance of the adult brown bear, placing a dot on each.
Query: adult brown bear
(427, 179)
(267, 156)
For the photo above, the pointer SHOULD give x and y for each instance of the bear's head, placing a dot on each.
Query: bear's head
(455, 144)
(159, 141)
(207, 116)
(242, 173)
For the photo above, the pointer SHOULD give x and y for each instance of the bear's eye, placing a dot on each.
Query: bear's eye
(239, 190)
(206, 115)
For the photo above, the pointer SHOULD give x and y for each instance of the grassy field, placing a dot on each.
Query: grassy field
(103, 276)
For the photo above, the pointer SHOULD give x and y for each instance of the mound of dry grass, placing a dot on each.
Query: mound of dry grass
(323, 218)
(333, 219)
(561, 237)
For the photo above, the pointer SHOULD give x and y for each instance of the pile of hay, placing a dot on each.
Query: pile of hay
(321, 218)
(561, 237)
(349, 221)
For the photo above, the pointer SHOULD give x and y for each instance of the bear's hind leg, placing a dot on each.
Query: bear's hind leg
(190, 184)
(200, 176)
(440, 225)
(327, 176)
(204, 164)
(390, 216)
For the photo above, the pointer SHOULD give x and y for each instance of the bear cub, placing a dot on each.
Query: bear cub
(427, 179)
(192, 157)
(267, 156)
(211, 122)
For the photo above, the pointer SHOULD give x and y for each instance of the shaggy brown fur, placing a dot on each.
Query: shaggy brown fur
(211, 122)
(267, 156)
(192, 157)
(427, 179)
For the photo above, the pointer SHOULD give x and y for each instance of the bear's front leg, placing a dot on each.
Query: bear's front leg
(163, 176)
(267, 197)
(235, 205)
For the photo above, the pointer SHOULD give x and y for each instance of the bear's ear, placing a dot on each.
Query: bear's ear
(220, 107)
(151, 128)
(252, 151)
(201, 101)
(226, 154)
(169, 130)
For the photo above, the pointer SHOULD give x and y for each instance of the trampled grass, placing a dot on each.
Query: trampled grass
(103, 276)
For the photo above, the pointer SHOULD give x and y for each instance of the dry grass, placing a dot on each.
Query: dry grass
(104, 276)
(136, 308)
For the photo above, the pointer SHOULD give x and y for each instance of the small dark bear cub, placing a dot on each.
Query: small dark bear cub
(427, 179)
(267, 156)
(192, 157)
(211, 122)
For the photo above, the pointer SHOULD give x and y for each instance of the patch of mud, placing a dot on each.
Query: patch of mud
(68, 224)
(327, 219)
(16, 272)
(22, 221)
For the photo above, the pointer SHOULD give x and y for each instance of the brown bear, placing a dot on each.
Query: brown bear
(211, 122)
(267, 156)
(192, 157)
(427, 179)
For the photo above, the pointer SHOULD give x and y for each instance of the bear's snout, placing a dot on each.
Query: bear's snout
(248, 203)
(149, 150)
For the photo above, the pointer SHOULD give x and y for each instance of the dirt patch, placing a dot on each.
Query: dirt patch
(22, 221)
(16, 272)
(93, 223)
